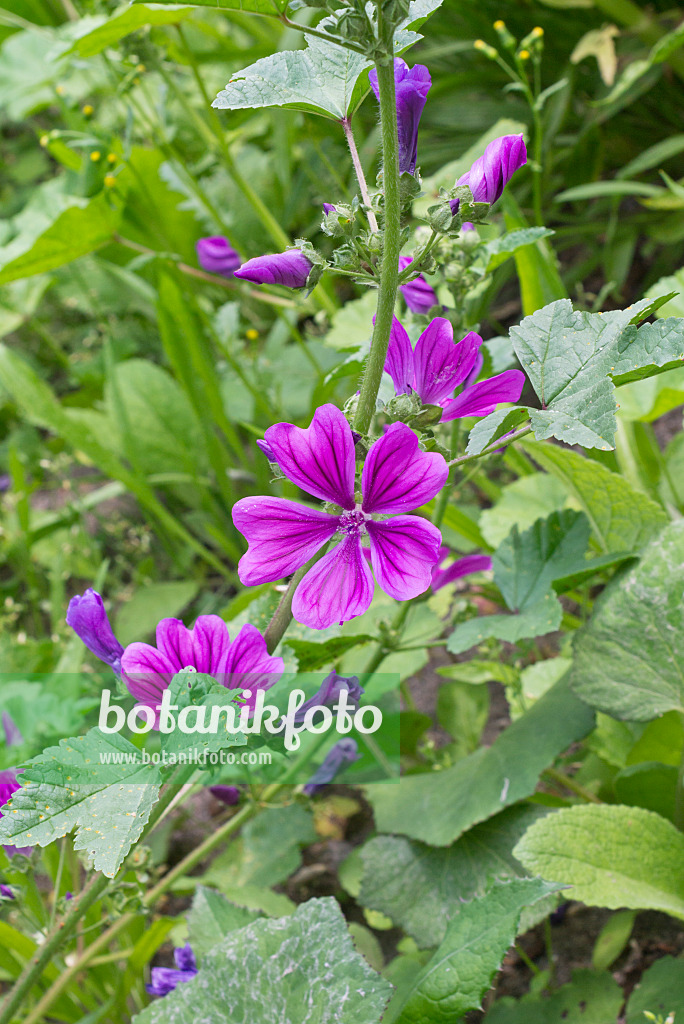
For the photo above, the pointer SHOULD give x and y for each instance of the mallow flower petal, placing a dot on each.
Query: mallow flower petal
(418, 295)
(174, 641)
(146, 672)
(399, 359)
(249, 665)
(439, 363)
(461, 567)
(397, 476)
(282, 537)
(210, 643)
(337, 588)
(482, 398)
(319, 459)
(403, 553)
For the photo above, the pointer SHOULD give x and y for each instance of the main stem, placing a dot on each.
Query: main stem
(390, 251)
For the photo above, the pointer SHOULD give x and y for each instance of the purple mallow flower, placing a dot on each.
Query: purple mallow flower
(343, 753)
(6, 892)
(328, 208)
(217, 255)
(87, 617)
(411, 86)
(13, 737)
(5, 482)
(207, 648)
(165, 979)
(329, 693)
(467, 226)
(490, 174)
(290, 268)
(438, 365)
(265, 448)
(419, 296)
(283, 535)
(461, 567)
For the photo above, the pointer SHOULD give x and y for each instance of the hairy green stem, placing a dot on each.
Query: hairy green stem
(501, 442)
(360, 176)
(390, 250)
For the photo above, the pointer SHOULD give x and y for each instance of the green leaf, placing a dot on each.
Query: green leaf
(660, 991)
(650, 785)
(494, 426)
(592, 997)
(212, 917)
(499, 249)
(266, 852)
(674, 284)
(299, 968)
(656, 348)
(613, 856)
(599, 189)
(122, 22)
(420, 887)
(80, 227)
(463, 967)
(311, 656)
(194, 689)
(69, 787)
(537, 620)
(525, 565)
(320, 79)
(454, 799)
(272, 7)
(628, 658)
(622, 518)
(521, 503)
(149, 605)
(538, 274)
(585, 417)
(612, 939)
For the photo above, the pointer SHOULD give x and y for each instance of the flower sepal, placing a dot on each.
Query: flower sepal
(338, 221)
(402, 408)
(410, 187)
(428, 416)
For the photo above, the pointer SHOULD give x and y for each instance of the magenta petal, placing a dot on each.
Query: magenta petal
(337, 588)
(482, 398)
(439, 364)
(319, 459)
(399, 360)
(174, 642)
(249, 665)
(397, 476)
(403, 553)
(282, 536)
(418, 295)
(211, 644)
(461, 567)
(147, 672)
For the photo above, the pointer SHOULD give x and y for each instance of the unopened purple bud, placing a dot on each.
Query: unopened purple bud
(6, 892)
(5, 482)
(217, 255)
(328, 208)
(343, 753)
(229, 795)
(419, 296)
(467, 226)
(329, 693)
(490, 174)
(290, 268)
(13, 737)
(266, 449)
(87, 617)
(411, 86)
(68, 896)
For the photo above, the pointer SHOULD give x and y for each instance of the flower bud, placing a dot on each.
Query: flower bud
(87, 617)
(216, 255)
(290, 268)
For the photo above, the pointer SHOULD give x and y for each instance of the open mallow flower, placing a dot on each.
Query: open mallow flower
(489, 175)
(457, 570)
(216, 255)
(438, 366)
(411, 86)
(165, 979)
(290, 268)
(87, 617)
(242, 663)
(283, 535)
(418, 295)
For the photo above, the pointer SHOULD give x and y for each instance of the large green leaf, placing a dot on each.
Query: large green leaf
(320, 79)
(454, 799)
(592, 997)
(660, 991)
(622, 518)
(462, 969)
(92, 40)
(297, 969)
(612, 855)
(421, 888)
(537, 620)
(526, 564)
(536, 264)
(212, 916)
(79, 227)
(70, 786)
(574, 359)
(629, 657)
(521, 503)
